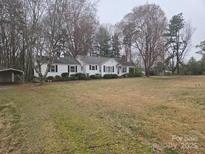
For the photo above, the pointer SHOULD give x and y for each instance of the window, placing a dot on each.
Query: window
(109, 69)
(93, 67)
(124, 69)
(53, 68)
(73, 69)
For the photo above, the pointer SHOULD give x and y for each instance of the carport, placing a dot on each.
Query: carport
(11, 75)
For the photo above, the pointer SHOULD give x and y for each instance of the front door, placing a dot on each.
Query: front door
(118, 70)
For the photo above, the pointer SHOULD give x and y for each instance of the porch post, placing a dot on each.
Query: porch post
(12, 77)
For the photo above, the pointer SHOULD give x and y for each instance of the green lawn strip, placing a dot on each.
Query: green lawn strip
(90, 134)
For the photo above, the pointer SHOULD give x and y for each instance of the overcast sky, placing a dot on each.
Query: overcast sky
(112, 11)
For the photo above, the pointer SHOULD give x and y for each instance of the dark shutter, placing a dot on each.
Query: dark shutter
(56, 68)
(49, 68)
(76, 69)
(103, 68)
(68, 68)
(90, 67)
(113, 70)
(96, 67)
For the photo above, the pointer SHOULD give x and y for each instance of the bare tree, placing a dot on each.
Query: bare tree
(11, 32)
(31, 30)
(147, 25)
(50, 42)
(80, 24)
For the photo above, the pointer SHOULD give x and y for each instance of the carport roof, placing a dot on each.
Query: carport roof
(5, 69)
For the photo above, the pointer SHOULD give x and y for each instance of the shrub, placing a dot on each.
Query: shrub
(96, 76)
(110, 76)
(49, 78)
(167, 73)
(125, 76)
(36, 80)
(78, 76)
(158, 69)
(135, 72)
(65, 75)
(58, 78)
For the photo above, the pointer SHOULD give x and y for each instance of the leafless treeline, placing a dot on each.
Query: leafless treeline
(31, 29)
(147, 33)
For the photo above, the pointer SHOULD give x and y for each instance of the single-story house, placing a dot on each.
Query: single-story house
(11, 75)
(61, 65)
(92, 65)
(88, 65)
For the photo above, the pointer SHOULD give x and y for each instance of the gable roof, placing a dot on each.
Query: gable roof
(94, 60)
(124, 62)
(101, 60)
(66, 60)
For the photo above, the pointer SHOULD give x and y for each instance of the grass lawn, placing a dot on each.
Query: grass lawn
(155, 115)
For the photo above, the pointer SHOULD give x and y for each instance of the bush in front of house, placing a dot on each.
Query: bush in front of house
(78, 76)
(50, 78)
(96, 76)
(58, 78)
(65, 75)
(110, 76)
(124, 76)
(135, 72)
(36, 80)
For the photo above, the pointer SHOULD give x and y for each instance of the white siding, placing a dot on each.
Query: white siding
(110, 63)
(62, 68)
(91, 72)
(121, 73)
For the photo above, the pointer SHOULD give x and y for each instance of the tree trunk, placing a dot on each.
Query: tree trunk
(147, 71)
(178, 59)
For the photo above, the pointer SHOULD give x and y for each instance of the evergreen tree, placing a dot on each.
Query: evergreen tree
(116, 45)
(202, 48)
(178, 38)
(194, 67)
(103, 41)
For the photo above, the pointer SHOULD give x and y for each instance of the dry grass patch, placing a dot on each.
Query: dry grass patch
(160, 114)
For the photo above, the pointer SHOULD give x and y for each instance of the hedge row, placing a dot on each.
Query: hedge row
(80, 76)
(65, 77)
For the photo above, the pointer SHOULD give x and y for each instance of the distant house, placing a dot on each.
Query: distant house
(88, 65)
(61, 65)
(11, 75)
